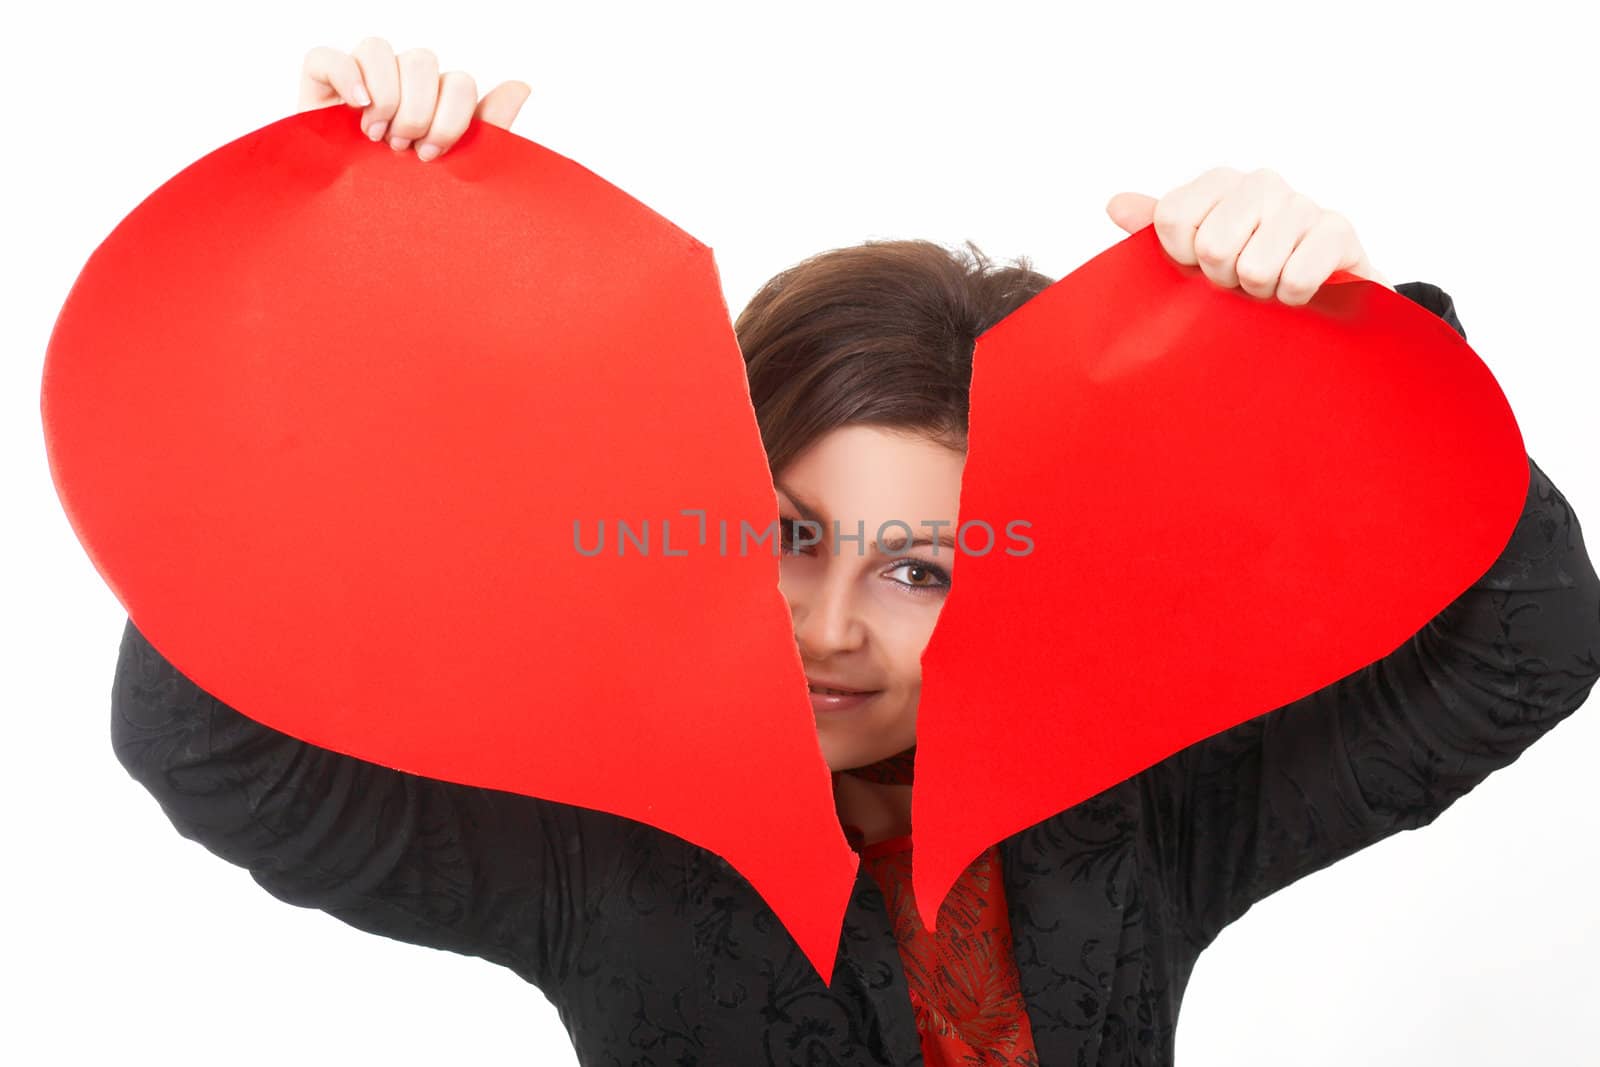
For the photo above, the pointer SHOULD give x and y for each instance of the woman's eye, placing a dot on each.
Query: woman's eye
(786, 530)
(921, 576)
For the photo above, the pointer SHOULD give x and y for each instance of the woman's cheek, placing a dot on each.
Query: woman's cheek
(907, 622)
(796, 576)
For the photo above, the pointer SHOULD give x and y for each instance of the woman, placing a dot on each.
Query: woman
(1069, 942)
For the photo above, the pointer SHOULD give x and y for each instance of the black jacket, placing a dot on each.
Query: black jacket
(655, 951)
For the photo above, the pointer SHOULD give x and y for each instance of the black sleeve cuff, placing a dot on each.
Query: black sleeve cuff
(1435, 300)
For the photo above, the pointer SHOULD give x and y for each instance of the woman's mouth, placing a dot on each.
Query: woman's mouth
(838, 698)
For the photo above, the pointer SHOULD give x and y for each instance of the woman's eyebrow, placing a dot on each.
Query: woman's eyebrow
(890, 544)
(807, 511)
(900, 544)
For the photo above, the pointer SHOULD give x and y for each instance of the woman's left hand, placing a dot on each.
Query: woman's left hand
(1251, 231)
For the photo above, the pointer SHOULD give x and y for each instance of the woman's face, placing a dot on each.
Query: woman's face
(863, 611)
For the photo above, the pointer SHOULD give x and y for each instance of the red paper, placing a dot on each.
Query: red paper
(1234, 503)
(323, 417)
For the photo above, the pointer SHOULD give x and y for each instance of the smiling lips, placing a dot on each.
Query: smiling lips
(826, 696)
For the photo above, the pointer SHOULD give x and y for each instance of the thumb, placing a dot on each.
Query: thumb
(1132, 211)
(500, 105)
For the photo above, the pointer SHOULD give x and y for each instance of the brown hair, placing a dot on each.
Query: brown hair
(880, 333)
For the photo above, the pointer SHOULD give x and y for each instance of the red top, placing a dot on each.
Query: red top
(963, 978)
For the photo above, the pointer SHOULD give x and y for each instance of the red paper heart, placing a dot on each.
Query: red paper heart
(1234, 503)
(323, 417)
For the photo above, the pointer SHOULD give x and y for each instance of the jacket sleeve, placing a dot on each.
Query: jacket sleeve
(1258, 806)
(475, 871)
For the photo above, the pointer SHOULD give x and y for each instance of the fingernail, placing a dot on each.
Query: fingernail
(399, 143)
(361, 98)
(376, 133)
(427, 152)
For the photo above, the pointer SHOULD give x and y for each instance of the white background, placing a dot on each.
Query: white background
(1451, 135)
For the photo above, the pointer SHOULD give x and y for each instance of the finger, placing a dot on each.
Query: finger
(1131, 211)
(458, 94)
(1261, 263)
(382, 75)
(419, 92)
(500, 105)
(1328, 246)
(1178, 215)
(1373, 273)
(1230, 224)
(329, 76)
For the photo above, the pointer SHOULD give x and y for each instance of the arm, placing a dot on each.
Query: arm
(475, 871)
(1258, 806)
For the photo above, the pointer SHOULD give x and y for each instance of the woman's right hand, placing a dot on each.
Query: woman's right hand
(404, 97)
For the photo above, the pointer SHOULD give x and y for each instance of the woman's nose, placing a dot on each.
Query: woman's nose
(826, 621)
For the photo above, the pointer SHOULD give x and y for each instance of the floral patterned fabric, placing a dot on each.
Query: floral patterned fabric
(962, 978)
